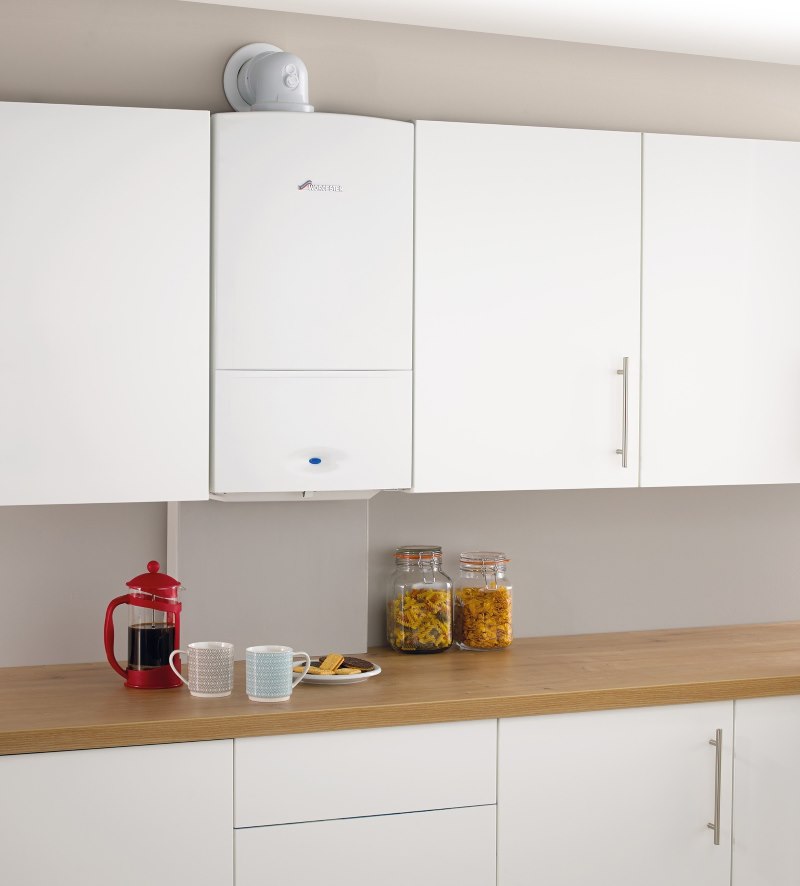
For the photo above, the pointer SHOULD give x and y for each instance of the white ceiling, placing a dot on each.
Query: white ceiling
(761, 30)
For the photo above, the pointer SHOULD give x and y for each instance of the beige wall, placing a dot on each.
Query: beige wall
(583, 560)
(166, 53)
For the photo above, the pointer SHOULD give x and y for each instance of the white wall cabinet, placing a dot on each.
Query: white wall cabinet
(720, 312)
(526, 303)
(615, 798)
(450, 846)
(127, 816)
(104, 306)
(766, 808)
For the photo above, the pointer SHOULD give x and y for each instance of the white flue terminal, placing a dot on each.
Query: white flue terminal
(261, 77)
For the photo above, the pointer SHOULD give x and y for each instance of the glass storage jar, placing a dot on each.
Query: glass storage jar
(419, 616)
(482, 618)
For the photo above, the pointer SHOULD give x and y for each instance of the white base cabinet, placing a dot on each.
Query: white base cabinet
(608, 798)
(122, 816)
(766, 807)
(615, 798)
(450, 846)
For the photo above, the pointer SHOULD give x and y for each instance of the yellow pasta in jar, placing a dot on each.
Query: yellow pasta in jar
(483, 617)
(420, 620)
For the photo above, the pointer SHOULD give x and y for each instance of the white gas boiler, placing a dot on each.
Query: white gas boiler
(312, 270)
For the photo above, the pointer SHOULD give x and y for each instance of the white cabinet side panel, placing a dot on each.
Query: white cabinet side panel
(127, 816)
(104, 228)
(526, 302)
(766, 802)
(614, 798)
(720, 311)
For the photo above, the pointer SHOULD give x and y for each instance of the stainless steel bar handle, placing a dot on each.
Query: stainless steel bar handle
(717, 743)
(624, 373)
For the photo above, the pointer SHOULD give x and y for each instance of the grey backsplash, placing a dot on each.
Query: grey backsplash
(59, 568)
(292, 573)
(611, 559)
(296, 573)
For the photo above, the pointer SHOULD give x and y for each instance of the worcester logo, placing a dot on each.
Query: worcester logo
(311, 186)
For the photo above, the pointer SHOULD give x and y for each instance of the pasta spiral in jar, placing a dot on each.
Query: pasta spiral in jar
(482, 609)
(419, 616)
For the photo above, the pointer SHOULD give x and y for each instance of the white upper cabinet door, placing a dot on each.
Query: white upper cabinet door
(616, 798)
(720, 312)
(766, 804)
(313, 241)
(526, 304)
(104, 304)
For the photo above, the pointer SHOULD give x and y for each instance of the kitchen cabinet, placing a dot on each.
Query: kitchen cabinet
(105, 304)
(447, 846)
(526, 307)
(127, 816)
(766, 812)
(615, 798)
(720, 311)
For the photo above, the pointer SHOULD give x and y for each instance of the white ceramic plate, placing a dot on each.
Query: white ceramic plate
(331, 680)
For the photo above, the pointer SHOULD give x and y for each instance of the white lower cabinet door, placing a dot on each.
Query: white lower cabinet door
(118, 817)
(766, 801)
(450, 846)
(615, 798)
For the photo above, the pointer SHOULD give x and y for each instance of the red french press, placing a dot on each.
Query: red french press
(154, 626)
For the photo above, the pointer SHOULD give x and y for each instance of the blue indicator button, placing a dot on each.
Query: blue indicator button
(315, 461)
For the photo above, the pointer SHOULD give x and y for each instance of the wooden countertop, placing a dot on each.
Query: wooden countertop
(52, 708)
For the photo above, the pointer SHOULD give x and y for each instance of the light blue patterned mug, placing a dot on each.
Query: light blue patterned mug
(269, 672)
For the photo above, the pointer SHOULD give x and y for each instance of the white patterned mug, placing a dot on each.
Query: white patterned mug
(269, 672)
(210, 668)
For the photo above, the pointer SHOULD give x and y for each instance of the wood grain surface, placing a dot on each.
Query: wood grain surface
(52, 708)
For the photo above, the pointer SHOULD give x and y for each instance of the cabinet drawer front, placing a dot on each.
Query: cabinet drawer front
(447, 846)
(281, 779)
